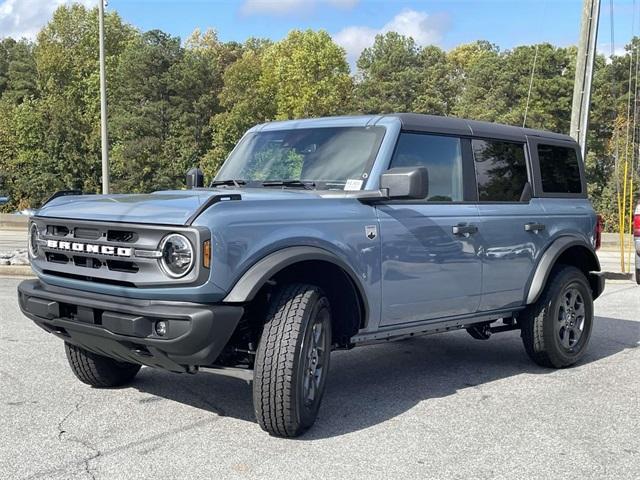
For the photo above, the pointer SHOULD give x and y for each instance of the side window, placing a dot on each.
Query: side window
(443, 158)
(501, 170)
(559, 170)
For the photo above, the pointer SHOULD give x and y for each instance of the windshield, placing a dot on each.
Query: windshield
(325, 158)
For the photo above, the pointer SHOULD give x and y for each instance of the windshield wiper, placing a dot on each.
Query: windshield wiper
(230, 182)
(289, 183)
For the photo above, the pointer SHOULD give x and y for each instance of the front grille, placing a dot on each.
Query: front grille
(56, 257)
(120, 266)
(107, 253)
(86, 233)
(57, 231)
(121, 236)
(87, 262)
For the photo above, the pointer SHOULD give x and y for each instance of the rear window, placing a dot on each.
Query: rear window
(559, 170)
(501, 170)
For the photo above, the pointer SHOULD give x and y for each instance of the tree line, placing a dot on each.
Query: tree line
(174, 104)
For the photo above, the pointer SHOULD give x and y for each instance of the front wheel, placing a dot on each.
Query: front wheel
(99, 371)
(292, 360)
(557, 328)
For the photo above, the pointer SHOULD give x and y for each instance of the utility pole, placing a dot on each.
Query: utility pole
(584, 73)
(103, 103)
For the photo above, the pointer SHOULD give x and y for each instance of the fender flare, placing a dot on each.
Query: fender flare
(246, 288)
(548, 260)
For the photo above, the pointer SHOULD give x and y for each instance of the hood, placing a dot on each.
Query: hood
(159, 208)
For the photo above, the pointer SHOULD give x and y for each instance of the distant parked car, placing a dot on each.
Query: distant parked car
(4, 200)
(636, 239)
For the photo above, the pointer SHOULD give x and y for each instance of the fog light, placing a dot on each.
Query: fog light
(161, 328)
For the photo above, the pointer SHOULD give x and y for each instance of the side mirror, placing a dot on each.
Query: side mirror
(406, 183)
(195, 178)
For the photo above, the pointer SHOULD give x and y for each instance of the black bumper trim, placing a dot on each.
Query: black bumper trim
(123, 328)
(597, 282)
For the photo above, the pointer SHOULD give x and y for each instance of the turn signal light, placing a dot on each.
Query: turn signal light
(636, 225)
(206, 254)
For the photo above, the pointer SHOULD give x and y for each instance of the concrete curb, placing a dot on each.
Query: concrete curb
(13, 222)
(16, 271)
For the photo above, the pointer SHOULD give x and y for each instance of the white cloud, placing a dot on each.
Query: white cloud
(605, 49)
(425, 30)
(285, 7)
(25, 18)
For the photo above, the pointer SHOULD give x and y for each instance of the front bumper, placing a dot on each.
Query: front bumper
(124, 328)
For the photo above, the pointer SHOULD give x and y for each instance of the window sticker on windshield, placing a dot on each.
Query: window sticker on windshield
(353, 184)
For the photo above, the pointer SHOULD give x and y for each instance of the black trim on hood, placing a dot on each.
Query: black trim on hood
(212, 201)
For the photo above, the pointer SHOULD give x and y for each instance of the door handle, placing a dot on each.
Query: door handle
(534, 227)
(464, 229)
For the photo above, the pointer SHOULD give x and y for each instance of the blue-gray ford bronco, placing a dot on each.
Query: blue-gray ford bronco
(318, 235)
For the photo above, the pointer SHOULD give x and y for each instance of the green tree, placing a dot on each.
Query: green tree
(18, 72)
(308, 76)
(244, 104)
(436, 90)
(389, 74)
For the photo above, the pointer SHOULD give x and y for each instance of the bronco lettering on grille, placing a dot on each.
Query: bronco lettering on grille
(89, 248)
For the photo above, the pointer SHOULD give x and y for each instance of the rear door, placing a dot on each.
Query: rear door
(561, 188)
(513, 231)
(428, 271)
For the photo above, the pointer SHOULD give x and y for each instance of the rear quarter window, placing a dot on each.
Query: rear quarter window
(559, 169)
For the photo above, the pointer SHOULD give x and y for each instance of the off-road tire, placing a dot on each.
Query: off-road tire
(538, 330)
(283, 358)
(99, 371)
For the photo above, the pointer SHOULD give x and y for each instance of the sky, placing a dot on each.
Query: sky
(354, 23)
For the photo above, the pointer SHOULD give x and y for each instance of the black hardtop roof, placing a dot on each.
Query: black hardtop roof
(460, 126)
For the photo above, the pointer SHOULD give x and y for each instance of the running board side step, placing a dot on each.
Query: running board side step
(429, 327)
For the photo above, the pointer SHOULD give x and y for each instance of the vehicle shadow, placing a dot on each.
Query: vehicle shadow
(371, 385)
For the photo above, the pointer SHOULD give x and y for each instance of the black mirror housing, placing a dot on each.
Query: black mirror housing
(406, 183)
(195, 178)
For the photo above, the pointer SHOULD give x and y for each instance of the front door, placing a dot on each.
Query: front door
(431, 267)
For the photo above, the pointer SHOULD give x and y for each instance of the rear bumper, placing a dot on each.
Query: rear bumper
(124, 328)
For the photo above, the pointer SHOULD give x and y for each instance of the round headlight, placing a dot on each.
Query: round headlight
(177, 255)
(34, 238)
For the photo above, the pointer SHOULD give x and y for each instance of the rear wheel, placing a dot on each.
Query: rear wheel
(557, 328)
(99, 371)
(292, 360)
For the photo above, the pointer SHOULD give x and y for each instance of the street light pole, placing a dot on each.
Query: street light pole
(103, 104)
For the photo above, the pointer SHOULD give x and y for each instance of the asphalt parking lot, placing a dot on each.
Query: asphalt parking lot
(444, 406)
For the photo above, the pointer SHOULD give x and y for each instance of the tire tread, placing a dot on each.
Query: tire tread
(533, 319)
(275, 360)
(99, 371)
